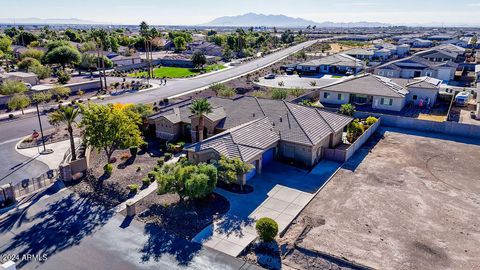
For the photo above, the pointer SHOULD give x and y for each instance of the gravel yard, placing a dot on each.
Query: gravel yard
(404, 201)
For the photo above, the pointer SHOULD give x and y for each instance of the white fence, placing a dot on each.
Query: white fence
(448, 128)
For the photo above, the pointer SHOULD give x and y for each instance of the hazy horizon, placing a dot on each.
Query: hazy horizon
(190, 12)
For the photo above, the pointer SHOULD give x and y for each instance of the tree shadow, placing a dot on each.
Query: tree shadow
(60, 225)
(160, 242)
(233, 224)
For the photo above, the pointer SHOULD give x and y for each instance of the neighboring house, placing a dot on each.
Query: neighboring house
(477, 73)
(440, 37)
(359, 53)
(423, 91)
(333, 64)
(403, 50)
(451, 48)
(121, 60)
(421, 43)
(463, 42)
(416, 66)
(438, 55)
(18, 50)
(254, 130)
(107, 54)
(383, 54)
(206, 48)
(365, 90)
(26, 77)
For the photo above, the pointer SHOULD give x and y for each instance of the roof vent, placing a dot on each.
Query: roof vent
(253, 114)
(281, 119)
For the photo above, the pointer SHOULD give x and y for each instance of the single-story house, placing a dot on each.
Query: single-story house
(477, 72)
(440, 37)
(417, 66)
(463, 42)
(359, 53)
(26, 77)
(420, 43)
(365, 90)
(423, 91)
(403, 50)
(383, 54)
(438, 55)
(253, 129)
(121, 60)
(333, 64)
(205, 47)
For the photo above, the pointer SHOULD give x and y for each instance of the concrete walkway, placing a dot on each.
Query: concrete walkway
(52, 160)
(144, 192)
(280, 193)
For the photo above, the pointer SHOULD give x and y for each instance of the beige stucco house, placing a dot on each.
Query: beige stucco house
(254, 130)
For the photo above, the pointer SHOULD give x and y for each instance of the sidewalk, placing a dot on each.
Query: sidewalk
(52, 160)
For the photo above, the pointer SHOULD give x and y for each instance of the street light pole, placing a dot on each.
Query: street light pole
(41, 129)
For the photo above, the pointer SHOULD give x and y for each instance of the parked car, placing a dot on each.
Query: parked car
(270, 76)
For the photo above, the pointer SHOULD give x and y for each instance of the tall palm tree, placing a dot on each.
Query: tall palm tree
(66, 115)
(199, 108)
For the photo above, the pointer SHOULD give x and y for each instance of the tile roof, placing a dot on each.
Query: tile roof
(368, 84)
(294, 123)
(416, 62)
(245, 141)
(335, 60)
(425, 82)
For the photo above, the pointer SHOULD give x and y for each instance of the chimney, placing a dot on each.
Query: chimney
(176, 111)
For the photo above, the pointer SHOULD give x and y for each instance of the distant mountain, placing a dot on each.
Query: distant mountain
(253, 19)
(45, 21)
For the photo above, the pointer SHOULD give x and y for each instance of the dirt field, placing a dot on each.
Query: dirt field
(412, 202)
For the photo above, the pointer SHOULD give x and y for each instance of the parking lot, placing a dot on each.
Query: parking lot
(404, 201)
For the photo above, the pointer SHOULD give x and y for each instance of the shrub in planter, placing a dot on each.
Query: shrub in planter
(133, 188)
(267, 229)
(146, 181)
(168, 156)
(133, 150)
(108, 168)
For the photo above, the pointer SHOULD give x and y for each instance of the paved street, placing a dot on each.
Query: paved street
(74, 233)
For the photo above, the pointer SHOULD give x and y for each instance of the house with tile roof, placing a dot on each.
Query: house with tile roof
(417, 66)
(332, 64)
(253, 129)
(364, 90)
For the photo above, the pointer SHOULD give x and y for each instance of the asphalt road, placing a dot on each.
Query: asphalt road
(64, 231)
(13, 130)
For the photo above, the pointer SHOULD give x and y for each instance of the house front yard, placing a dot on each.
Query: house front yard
(177, 72)
(127, 170)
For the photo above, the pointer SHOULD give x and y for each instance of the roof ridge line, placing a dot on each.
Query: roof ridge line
(323, 118)
(259, 105)
(288, 108)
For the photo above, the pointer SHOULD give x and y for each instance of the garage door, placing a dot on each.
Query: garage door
(267, 157)
(252, 172)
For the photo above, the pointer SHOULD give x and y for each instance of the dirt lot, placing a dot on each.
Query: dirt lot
(403, 202)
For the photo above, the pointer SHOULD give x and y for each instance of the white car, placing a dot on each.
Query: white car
(270, 76)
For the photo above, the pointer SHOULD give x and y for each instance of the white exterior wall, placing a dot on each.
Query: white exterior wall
(333, 97)
(387, 73)
(445, 74)
(126, 62)
(421, 93)
(397, 104)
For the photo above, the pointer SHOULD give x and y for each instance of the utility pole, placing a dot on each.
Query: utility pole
(45, 151)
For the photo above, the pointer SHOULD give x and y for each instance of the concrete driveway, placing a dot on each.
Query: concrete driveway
(68, 232)
(280, 193)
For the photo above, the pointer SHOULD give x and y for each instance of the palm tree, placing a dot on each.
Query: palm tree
(66, 115)
(199, 108)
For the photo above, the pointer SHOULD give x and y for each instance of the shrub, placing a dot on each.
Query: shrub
(371, 120)
(347, 109)
(146, 181)
(296, 92)
(267, 229)
(108, 168)
(63, 77)
(168, 156)
(133, 188)
(258, 94)
(279, 94)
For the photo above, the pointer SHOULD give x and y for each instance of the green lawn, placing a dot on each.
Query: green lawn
(176, 72)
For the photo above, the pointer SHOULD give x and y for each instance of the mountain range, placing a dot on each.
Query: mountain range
(254, 19)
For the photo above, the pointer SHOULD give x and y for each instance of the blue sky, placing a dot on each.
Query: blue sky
(446, 12)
